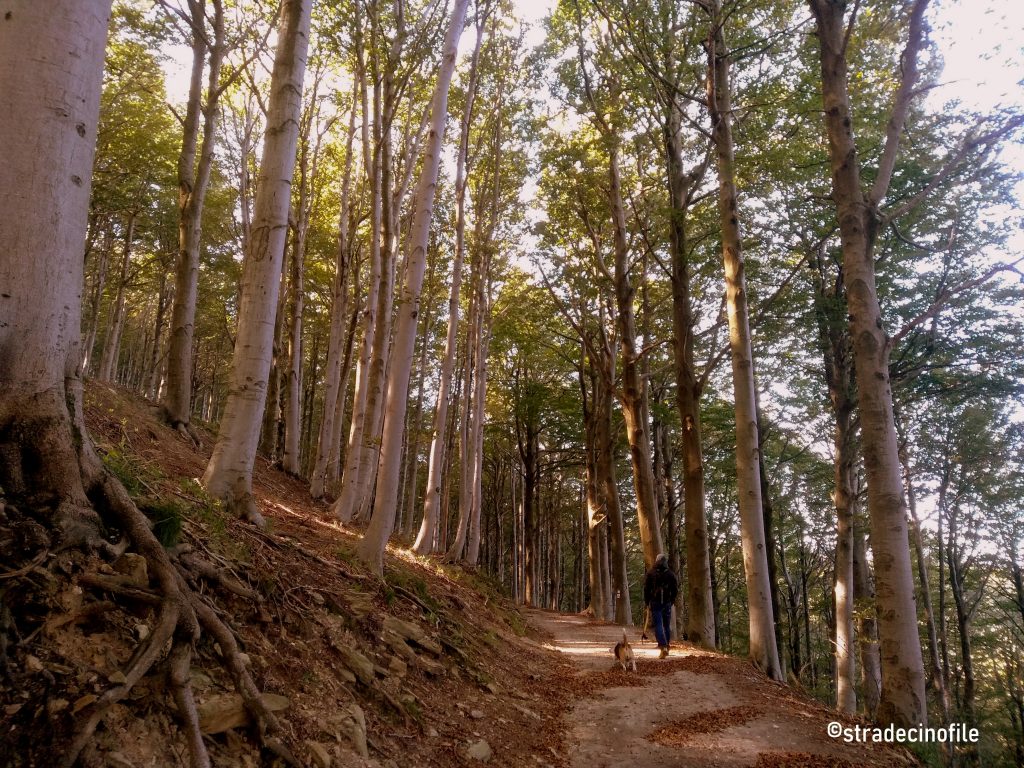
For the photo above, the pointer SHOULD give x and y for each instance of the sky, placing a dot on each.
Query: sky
(981, 43)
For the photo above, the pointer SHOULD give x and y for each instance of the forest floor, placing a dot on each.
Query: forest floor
(695, 709)
(431, 667)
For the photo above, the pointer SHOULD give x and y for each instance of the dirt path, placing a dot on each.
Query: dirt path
(695, 708)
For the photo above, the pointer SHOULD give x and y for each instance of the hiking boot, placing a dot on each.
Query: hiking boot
(664, 652)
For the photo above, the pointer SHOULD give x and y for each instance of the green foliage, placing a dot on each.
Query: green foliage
(167, 517)
(211, 514)
(411, 582)
(517, 622)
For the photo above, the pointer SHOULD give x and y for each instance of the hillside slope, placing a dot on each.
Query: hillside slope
(417, 670)
(430, 667)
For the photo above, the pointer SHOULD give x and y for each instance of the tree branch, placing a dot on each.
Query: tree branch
(946, 295)
(904, 95)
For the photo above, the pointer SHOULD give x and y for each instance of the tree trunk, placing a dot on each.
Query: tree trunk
(700, 626)
(152, 379)
(963, 622)
(193, 181)
(616, 578)
(345, 507)
(293, 381)
(806, 598)
(432, 500)
(767, 515)
(867, 628)
(935, 672)
(412, 451)
(467, 447)
(44, 190)
(595, 516)
(834, 340)
(50, 469)
(307, 165)
(529, 450)
(902, 699)
(334, 464)
(610, 606)
(112, 348)
(368, 449)
(95, 302)
(333, 376)
(229, 474)
(473, 547)
(633, 387)
(663, 445)
(273, 415)
(371, 548)
(793, 615)
(763, 650)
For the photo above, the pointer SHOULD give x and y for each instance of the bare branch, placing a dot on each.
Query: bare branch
(946, 295)
(987, 142)
(904, 95)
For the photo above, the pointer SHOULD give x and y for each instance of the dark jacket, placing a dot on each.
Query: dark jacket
(660, 586)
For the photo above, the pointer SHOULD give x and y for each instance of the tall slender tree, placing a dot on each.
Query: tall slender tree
(195, 166)
(424, 543)
(903, 681)
(229, 473)
(763, 649)
(371, 548)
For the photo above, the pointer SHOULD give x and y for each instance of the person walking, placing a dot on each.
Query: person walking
(660, 589)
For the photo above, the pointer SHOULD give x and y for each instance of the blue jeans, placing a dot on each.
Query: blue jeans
(661, 618)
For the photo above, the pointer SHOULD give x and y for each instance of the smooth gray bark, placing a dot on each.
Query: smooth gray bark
(371, 548)
(229, 473)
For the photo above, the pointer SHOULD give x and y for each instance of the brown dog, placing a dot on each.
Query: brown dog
(624, 653)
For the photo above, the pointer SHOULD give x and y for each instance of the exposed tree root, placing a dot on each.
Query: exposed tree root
(220, 576)
(83, 508)
(240, 503)
(25, 568)
(119, 586)
(232, 657)
(180, 667)
(184, 429)
(144, 661)
(334, 566)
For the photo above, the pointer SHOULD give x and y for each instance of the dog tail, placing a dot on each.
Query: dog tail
(624, 640)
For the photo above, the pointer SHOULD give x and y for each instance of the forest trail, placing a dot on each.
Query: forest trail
(696, 708)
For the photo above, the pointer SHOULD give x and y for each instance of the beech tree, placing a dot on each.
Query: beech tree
(42, 264)
(651, 40)
(229, 473)
(763, 649)
(600, 100)
(195, 164)
(338, 351)
(386, 497)
(902, 697)
(389, 67)
(427, 534)
(50, 470)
